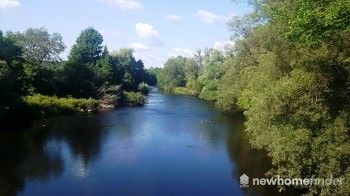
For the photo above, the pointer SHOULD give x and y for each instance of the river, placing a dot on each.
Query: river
(174, 145)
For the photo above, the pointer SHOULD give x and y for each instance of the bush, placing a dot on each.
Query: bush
(143, 88)
(185, 91)
(133, 98)
(41, 105)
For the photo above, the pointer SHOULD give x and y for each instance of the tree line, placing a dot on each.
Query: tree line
(289, 72)
(33, 74)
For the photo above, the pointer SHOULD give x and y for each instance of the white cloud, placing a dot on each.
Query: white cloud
(145, 30)
(9, 4)
(209, 17)
(149, 48)
(224, 45)
(110, 33)
(174, 17)
(139, 46)
(185, 52)
(125, 4)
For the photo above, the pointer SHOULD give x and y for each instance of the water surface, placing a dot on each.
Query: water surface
(174, 145)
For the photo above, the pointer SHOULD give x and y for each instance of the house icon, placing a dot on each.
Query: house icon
(244, 181)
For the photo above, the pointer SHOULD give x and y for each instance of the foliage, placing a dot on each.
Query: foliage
(133, 70)
(38, 45)
(185, 91)
(46, 106)
(174, 74)
(80, 70)
(144, 88)
(291, 75)
(311, 22)
(11, 74)
(197, 76)
(133, 98)
(90, 66)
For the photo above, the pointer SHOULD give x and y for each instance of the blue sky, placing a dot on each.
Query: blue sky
(156, 29)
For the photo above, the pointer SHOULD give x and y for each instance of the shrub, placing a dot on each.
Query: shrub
(185, 91)
(133, 98)
(144, 88)
(41, 105)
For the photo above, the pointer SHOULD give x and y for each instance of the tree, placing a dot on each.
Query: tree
(88, 48)
(310, 22)
(80, 69)
(291, 76)
(11, 74)
(11, 71)
(38, 45)
(213, 70)
(174, 72)
(40, 49)
(131, 71)
(105, 69)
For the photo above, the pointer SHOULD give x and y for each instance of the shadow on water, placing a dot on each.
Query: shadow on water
(34, 155)
(83, 134)
(252, 162)
(23, 157)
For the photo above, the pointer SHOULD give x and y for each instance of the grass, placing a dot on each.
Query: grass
(41, 105)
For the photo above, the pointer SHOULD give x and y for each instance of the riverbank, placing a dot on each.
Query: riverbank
(33, 107)
(44, 106)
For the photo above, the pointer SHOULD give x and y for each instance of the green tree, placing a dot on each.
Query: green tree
(11, 70)
(80, 69)
(39, 45)
(213, 70)
(105, 69)
(131, 70)
(40, 50)
(11, 82)
(174, 73)
(291, 74)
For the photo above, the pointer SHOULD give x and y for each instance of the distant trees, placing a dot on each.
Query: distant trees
(199, 75)
(174, 74)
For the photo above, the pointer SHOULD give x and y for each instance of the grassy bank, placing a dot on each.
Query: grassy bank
(42, 106)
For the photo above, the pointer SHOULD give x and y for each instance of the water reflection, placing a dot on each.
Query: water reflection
(248, 161)
(83, 134)
(23, 157)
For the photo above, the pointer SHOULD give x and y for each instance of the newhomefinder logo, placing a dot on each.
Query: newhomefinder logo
(244, 181)
(278, 181)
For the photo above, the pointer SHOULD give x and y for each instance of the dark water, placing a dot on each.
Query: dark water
(175, 145)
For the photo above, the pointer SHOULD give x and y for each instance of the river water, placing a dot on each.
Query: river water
(174, 145)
